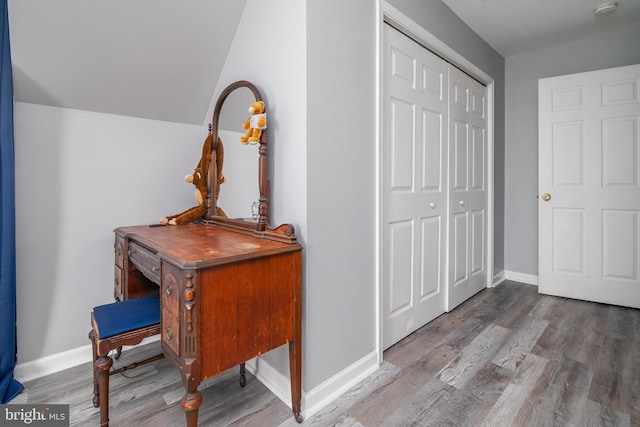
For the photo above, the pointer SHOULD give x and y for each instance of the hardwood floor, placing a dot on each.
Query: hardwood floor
(506, 357)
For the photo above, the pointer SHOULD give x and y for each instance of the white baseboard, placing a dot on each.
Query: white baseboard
(28, 371)
(325, 393)
(498, 279)
(316, 399)
(528, 279)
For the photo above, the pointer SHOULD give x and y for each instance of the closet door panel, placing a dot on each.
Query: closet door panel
(468, 194)
(414, 180)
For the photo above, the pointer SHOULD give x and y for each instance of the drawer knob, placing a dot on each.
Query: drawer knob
(155, 269)
(169, 334)
(168, 288)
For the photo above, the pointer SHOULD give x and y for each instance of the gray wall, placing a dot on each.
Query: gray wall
(340, 259)
(79, 175)
(440, 21)
(613, 49)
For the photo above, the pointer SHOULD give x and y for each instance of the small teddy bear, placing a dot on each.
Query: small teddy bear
(254, 124)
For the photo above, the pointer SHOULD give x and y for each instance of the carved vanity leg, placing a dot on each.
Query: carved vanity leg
(191, 403)
(243, 376)
(101, 367)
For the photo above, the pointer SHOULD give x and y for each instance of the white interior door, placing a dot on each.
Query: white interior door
(414, 182)
(468, 192)
(589, 184)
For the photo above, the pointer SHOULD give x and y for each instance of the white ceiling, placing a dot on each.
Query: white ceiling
(512, 27)
(157, 59)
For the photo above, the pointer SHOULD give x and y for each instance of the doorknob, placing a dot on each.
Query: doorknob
(546, 197)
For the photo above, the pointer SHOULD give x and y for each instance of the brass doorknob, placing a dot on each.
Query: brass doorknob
(546, 197)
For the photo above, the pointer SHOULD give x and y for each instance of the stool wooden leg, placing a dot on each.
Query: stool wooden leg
(101, 368)
(96, 390)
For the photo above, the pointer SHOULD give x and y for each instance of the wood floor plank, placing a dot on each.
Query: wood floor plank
(514, 404)
(611, 381)
(362, 392)
(419, 407)
(515, 309)
(520, 342)
(488, 385)
(597, 415)
(578, 325)
(474, 356)
(456, 407)
(379, 406)
(565, 394)
(422, 341)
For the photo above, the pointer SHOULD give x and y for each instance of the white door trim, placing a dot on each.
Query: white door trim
(388, 13)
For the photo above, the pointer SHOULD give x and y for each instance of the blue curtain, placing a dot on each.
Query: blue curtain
(9, 387)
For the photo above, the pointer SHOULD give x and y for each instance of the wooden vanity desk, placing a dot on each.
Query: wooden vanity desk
(231, 289)
(226, 298)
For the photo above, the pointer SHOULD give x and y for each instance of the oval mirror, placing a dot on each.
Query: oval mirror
(242, 195)
(239, 194)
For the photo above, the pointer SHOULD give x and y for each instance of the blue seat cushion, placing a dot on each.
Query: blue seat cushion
(120, 317)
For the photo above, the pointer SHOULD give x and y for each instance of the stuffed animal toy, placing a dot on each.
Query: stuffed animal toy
(254, 124)
(199, 179)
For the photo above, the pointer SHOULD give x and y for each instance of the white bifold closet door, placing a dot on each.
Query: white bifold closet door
(417, 187)
(467, 187)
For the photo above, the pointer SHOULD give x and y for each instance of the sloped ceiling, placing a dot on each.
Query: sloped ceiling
(160, 59)
(156, 59)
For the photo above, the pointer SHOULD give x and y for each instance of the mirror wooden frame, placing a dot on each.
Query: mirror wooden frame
(259, 228)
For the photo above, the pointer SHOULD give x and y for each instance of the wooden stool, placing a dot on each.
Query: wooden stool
(115, 325)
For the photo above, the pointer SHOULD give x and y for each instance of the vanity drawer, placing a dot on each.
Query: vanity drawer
(146, 261)
(170, 330)
(119, 252)
(170, 290)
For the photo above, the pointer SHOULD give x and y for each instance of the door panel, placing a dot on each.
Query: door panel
(413, 182)
(477, 241)
(468, 196)
(619, 247)
(589, 165)
(402, 122)
(401, 266)
(461, 236)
